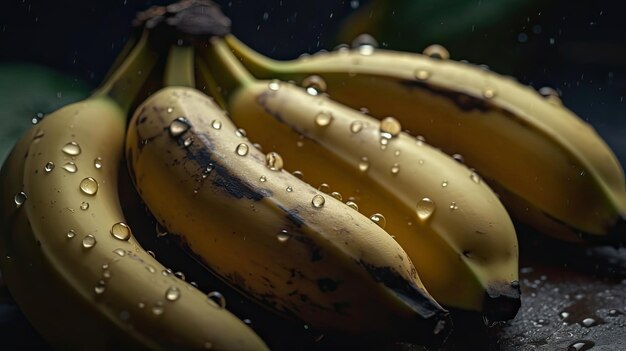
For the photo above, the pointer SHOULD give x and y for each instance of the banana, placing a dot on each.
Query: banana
(550, 168)
(66, 254)
(293, 249)
(451, 224)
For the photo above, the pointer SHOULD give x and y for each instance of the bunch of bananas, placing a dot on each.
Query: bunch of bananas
(269, 175)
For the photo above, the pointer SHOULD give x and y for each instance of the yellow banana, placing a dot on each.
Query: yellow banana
(68, 257)
(451, 224)
(295, 250)
(550, 168)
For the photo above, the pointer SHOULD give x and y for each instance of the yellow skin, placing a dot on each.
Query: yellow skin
(109, 292)
(332, 268)
(551, 168)
(461, 253)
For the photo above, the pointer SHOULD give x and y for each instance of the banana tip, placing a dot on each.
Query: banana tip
(502, 301)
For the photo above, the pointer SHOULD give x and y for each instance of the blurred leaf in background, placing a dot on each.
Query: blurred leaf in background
(27, 93)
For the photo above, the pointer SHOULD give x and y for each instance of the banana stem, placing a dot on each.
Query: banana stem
(210, 84)
(125, 82)
(230, 74)
(179, 68)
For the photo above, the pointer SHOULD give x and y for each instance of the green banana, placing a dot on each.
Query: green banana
(451, 224)
(550, 168)
(289, 247)
(67, 256)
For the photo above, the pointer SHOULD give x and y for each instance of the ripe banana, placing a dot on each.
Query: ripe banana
(456, 232)
(295, 250)
(550, 168)
(68, 257)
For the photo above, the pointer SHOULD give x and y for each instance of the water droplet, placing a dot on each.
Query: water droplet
(489, 93)
(459, 158)
(160, 230)
(84, 206)
(323, 119)
(48, 167)
(72, 148)
(444, 184)
(19, 199)
(218, 298)
(422, 74)
(89, 241)
(379, 219)
(352, 205)
(274, 161)
(439, 327)
(364, 164)
(548, 92)
(70, 167)
(475, 177)
(283, 236)
(318, 201)
(453, 206)
(216, 124)
(188, 141)
(170, 110)
(121, 231)
(397, 153)
(390, 128)
(325, 188)
(314, 84)
(436, 51)
(274, 85)
(178, 127)
(395, 169)
(97, 162)
(336, 195)
(242, 149)
(262, 179)
(120, 252)
(289, 189)
(298, 174)
(209, 168)
(564, 315)
(89, 186)
(589, 322)
(241, 133)
(151, 253)
(157, 309)
(70, 234)
(100, 287)
(356, 126)
(425, 209)
(172, 294)
(365, 43)
(179, 275)
(582, 345)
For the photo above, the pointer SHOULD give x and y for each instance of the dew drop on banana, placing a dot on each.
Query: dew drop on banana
(314, 84)
(218, 298)
(121, 231)
(216, 124)
(19, 199)
(489, 93)
(318, 201)
(425, 209)
(390, 128)
(178, 127)
(356, 126)
(458, 158)
(84, 205)
(188, 141)
(274, 161)
(262, 179)
(209, 168)
(298, 174)
(89, 241)
(170, 110)
(70, 167)
(242, 149)
(453, 206)
(48, 167)
(100, 287)
(475, 177)
(172, 294)
(395, 169)
(397, 153)
(274, 85)
(364, 164)
(336, 195)
(437, 51)
(72, 148)
(157, 309)
(422, 74)
(379, 219)
(89, 186)
(365, 44)
(323, 119)
(289, 189)
(325, 188)
(283, 236)
(70, 234)
(444, 184)
(241, 133)
(151, 253)
(180, 275)
(120, 252)
(160, 230)
(352, 205)
(97, 163)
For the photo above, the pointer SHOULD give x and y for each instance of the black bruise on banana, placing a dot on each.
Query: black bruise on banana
(406, 291)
